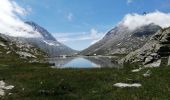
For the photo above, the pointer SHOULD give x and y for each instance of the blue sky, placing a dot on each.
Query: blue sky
(80, 23)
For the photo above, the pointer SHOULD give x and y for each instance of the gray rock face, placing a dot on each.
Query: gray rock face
(52, 48)
(14, 48)
(152, 52)
(121, 40)
(48, 43)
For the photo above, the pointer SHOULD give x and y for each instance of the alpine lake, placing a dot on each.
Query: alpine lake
(84, 62)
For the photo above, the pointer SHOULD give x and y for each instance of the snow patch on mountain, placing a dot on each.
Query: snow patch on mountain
(51, 43)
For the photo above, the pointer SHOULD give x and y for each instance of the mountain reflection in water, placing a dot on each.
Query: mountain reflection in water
(83, 62)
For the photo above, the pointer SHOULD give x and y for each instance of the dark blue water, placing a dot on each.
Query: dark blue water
(83, 62)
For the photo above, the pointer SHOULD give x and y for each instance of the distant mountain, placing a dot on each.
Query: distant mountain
(48, 43)
(122, 40)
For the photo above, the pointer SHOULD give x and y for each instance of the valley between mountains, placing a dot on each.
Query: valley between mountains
(60, 50)
(143, 52)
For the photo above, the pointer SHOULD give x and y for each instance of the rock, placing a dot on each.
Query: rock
(2, 44)
(137, 70)
(2, 84)
(124, 85)
(25, 54)
(3, 88)
(154, 54)
(154, 64)
(8, 52)
(168, 60)
(147, 74)
(148, 59)
(2, 93)
(9, 93)
(9, 87)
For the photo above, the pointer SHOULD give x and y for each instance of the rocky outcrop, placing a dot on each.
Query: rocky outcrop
(12, 47)
(151, 53)
(4, 88)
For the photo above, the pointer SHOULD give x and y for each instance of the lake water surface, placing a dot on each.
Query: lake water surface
(83, 62)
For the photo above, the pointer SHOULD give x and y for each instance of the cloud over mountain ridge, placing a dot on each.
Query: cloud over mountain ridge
(132, 21)
(11, 23)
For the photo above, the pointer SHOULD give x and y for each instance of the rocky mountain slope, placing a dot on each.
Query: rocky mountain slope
(122, 40)
(11, 47)
(155, 50)
(45, 34)
(48, 43)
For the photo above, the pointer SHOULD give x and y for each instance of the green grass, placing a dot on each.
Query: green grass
(39, 82)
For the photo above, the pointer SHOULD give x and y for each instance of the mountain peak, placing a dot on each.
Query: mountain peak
(122, 40)
(45, 34)
(48, 43)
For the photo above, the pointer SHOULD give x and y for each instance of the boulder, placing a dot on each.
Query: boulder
(153, 64)
(168, 60)
(148, 59)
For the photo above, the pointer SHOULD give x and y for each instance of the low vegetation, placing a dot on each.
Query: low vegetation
(34, 81)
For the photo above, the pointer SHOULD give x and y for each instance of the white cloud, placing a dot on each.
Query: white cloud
(70, 16)
(92, 35)
(136, 20)
(96, 36)
(10, 22)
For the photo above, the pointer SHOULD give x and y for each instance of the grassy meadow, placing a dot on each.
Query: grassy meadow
(40, 82)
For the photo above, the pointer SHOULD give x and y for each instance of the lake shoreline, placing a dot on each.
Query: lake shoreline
(83, 62)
